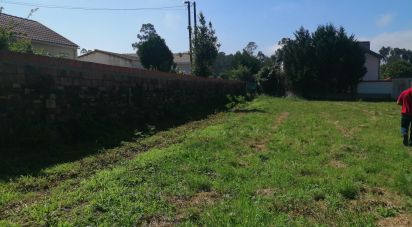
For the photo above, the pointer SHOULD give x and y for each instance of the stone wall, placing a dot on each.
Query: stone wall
(42, 97)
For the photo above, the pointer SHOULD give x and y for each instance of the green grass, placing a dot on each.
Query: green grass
(270, 162)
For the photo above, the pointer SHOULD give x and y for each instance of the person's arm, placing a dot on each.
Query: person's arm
(399, 101)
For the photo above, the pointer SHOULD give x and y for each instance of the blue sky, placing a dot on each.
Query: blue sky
(383, 22)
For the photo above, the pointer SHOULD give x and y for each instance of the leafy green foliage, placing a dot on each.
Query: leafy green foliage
(396, 69)
(223, 63)
(270, 80)
(153, 51)
(205, 48)
(247, 58)
(394, 54)
(242, 73)
(325, 61)
(11, 43)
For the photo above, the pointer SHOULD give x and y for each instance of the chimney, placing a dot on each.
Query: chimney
(365, 44)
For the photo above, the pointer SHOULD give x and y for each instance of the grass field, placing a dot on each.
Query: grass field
(271, 162)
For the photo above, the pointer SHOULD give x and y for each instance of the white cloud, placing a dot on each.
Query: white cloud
(401, 39)
(384, 20)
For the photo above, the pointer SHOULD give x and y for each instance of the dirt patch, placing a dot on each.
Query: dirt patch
(198, 200)
(260, 145)
(203, 198)
(373, 199)
(280, 119)
(386, 196)
(401, 220)
(337, 164)
(267, 192)
(348, 133)
(159, 221)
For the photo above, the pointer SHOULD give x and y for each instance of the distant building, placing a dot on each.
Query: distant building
(373, 62)
(43, 39)
(182, 61)
(110, 58)
(131, 60)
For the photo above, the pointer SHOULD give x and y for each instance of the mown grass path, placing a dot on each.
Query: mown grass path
(270, 162)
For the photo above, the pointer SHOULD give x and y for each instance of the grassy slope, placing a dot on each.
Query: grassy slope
(289, 162)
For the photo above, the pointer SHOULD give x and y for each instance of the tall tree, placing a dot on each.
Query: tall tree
(297, 56)
(250, 48)
(205, 48)
(393, 54)
(326, 61)
(153, 51)
(248, 59)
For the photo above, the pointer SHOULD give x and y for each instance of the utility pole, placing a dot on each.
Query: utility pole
(189, 27)
(195, 18)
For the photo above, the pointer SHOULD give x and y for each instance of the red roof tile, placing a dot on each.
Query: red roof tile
(33, 30)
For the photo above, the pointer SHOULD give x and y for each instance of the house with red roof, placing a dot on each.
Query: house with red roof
(44, 40)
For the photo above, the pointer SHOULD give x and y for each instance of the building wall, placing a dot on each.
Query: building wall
(372, 65)
(185, 67)
(375, 87)
(102, 58)
(55, 50)
(60, 97)
(400, 84)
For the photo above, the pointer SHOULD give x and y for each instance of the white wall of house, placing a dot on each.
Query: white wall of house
(103, 58)
(372, 65)
(55, 50)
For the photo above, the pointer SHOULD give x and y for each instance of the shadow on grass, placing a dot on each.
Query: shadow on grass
(248, 111)
(18, 160)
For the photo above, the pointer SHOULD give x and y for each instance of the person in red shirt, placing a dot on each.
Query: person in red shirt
(405, 100)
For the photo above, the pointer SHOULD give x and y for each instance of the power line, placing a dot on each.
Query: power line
(89, 8)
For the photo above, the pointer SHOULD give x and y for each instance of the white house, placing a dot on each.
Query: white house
(110, 58)
(182, 61)
(43, 39)
(131, 60)
(373, 62)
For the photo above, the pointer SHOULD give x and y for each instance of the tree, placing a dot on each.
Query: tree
(8, 41)
(270, 80)
(205, 48)
(297, 58)
(85, 51)
(242, 73)
(222, 64)
(326, 61)
(153, 51)
(248, 59)
(250, 48)
(392, 54)
(396, 68)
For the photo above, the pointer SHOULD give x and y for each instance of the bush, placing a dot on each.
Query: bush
(270, 81)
